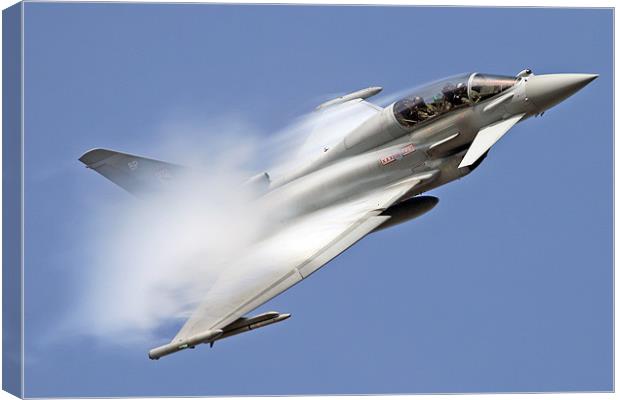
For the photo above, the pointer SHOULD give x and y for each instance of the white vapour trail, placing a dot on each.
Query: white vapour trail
(153, 259)
(157, 256)
(313, 133)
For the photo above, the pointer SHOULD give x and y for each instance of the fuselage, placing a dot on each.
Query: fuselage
(427, 133)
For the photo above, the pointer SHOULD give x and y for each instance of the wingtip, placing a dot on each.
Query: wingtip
(94, 156)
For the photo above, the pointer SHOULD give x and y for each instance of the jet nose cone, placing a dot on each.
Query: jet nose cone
(545, 91)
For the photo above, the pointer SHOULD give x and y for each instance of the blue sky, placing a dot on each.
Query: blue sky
(505, 286)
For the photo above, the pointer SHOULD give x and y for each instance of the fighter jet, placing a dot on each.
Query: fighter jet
(368, 177)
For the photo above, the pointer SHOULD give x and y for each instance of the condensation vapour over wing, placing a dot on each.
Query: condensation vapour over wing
(313, 133)
(152, 259)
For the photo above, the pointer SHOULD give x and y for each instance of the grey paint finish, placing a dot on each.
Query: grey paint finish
(367, 181)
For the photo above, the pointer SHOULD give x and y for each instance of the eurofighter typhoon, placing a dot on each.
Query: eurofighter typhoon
(367, 178)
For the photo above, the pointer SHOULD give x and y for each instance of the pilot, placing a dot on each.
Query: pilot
(420, 109)
(449, 97)
(407, 113)
(460, 94)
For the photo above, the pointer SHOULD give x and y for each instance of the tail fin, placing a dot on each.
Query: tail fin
(137, 175)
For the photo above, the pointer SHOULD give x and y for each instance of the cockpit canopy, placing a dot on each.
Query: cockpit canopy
(448, 94)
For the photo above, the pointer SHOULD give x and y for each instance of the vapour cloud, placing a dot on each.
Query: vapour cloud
(153, 259)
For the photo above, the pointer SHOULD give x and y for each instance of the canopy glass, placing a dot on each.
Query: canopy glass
(437, 98)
